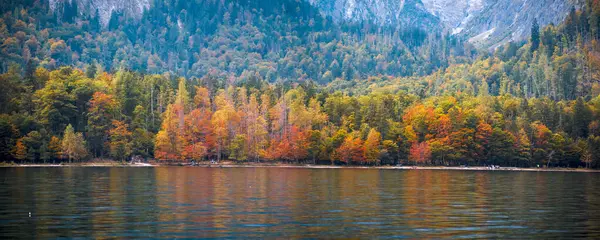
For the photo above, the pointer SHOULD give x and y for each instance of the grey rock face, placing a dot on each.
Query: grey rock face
(454, 13)
(133, 8)
(400, 13)
(486, 23)
(500, 21)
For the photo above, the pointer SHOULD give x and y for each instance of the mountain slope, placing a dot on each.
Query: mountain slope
(104, 8)
(395, 13)
(285, 40)
(510, 20)
(485, 22)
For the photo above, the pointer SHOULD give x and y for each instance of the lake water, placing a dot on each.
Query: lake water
(296, 203)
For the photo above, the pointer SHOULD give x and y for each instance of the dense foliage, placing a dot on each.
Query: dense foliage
(526, 104)
(285, 40)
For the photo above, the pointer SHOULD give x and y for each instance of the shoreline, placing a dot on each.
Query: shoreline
(308, 166)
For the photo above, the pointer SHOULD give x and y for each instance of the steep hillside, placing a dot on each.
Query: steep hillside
(241, 39)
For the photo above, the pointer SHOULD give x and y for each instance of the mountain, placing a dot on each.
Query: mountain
(285, 40)
(289, 40)
(494, 22)
(104, 8)
(299, 81)
(396, 13)
(486, 23)
(454, 13)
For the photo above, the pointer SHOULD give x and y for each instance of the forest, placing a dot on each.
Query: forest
(246, 85)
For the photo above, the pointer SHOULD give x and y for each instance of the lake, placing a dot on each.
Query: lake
(188, 202)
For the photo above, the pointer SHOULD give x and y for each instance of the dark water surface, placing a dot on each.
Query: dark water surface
(296, 203)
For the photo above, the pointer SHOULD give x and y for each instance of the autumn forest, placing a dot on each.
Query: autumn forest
(251, 87)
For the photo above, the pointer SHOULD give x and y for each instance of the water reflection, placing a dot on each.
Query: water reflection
(283, 203)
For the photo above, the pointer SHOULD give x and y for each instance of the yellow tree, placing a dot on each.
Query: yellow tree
(224, 121)
(120, 140)
(256, 129)
(103, 109)
(183, 97)
(372, 146)
(318, 117)
(73, 145)
(54, 148)
(300, 115)
(169, 140)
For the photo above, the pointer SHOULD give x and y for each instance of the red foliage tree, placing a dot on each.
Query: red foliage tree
(351, 151)
(420, 152)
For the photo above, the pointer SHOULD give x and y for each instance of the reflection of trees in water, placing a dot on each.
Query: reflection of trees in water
(277, 202)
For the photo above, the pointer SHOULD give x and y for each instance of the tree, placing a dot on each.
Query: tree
(142, 143)
(54, 149)
(56, 107)
(120, 141)
(420, 152)
(73, 145)
(142, 140)
(102, 111)
(502, 147)
(91, 71)
(198, 130)
(224, 122)
(594, 149)
(298, 144)
(237, 148)
(256, 129)
(316, 145)
(351, 151)
(542, 150)
(535, 35)
(8, 136)
(585, 153)
(20, 151)
(33, 142)
(390, 152)
(196, 151)
(582, 116)
(12, 86)
(291, 146)
(482, 139)
(125, 86)
(170, 140)
(372, 147)
(523, 149)
(440, 150)
(183, 97)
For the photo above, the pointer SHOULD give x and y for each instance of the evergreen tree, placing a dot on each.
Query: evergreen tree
(535, 35)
